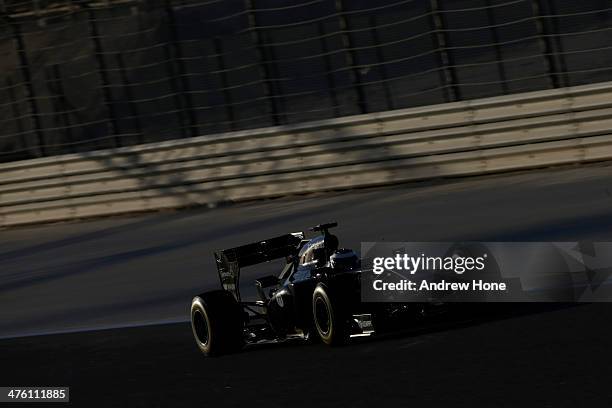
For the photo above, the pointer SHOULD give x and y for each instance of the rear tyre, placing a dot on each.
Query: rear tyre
(330, 318)
(216, 323)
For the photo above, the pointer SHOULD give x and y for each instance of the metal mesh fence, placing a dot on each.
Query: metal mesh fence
(84, 75)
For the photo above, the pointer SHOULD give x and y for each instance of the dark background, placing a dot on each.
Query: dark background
(78, 76)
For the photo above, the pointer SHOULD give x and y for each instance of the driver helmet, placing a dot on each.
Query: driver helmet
(344, 260)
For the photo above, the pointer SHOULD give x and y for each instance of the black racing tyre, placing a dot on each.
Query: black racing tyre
(330, 320)
(216, 322)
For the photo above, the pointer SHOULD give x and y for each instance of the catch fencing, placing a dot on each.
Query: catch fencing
(80, 76)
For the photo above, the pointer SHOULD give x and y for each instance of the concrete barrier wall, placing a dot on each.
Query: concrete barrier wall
(544, 128)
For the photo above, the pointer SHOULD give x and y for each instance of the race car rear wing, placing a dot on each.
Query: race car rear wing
(230, 261)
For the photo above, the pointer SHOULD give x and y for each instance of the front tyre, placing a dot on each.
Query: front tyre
(216, 323)
(331, 321)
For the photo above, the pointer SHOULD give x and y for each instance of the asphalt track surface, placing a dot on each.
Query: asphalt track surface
(137, 274)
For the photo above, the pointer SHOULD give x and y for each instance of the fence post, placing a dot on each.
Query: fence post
(179, 80)
(128, 91)
(498, 53)
(227, 94)
(331, 80)
(15, 110)
(447, 72)
(351, 57)
(59, 102)
(113, 124)
(381, 58)
(553, 48)
(554, 21)
(27, 77)
(272, 90)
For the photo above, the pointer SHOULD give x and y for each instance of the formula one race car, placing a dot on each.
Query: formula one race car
(316, 296)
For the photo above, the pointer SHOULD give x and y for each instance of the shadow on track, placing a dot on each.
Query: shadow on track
(530, 355)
